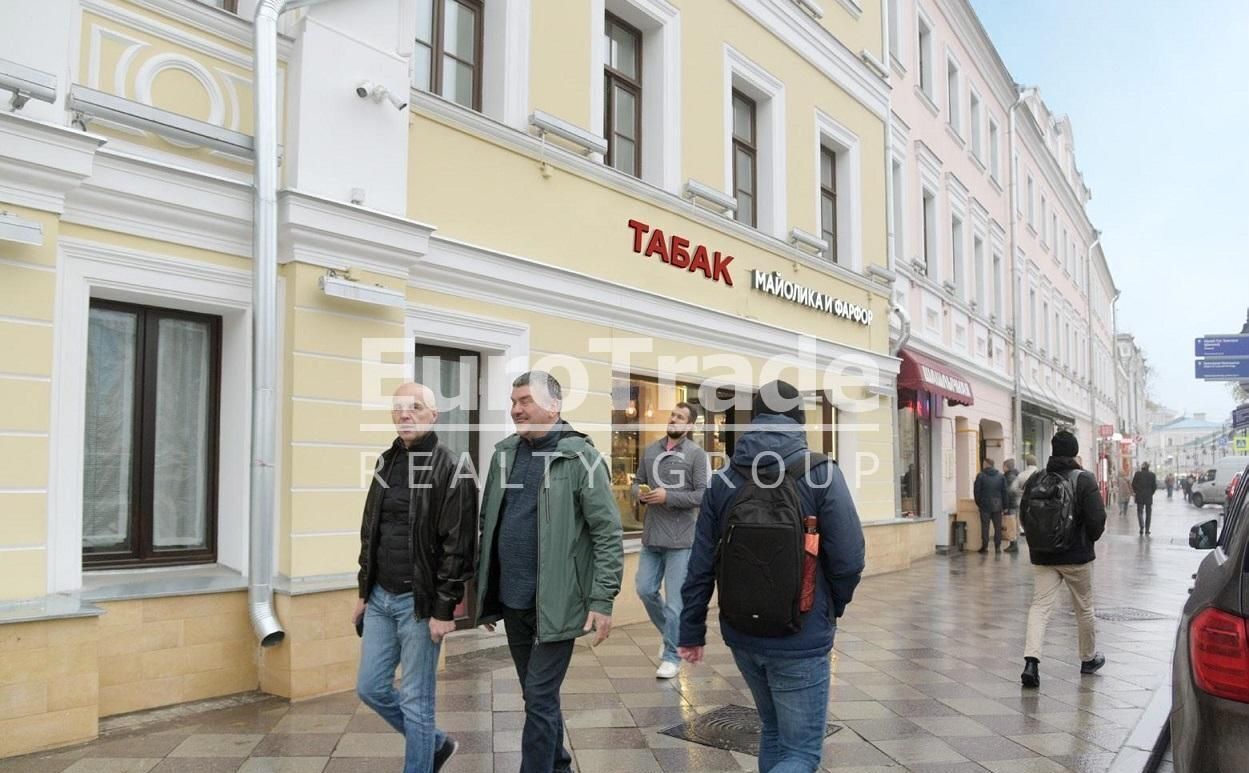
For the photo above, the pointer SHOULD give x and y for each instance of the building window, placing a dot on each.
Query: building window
(1031, 203)
(956, 254)
(455, 377)
(895, 27)
(1045, 242)
(226, 5)
(1066, 254)
(994, 160)
(977, 255)
(955, 117)
(997, 287)
(923, 52)
(1045, 319)
(977, 144)
(150, 436)
(929, 204)
(447, 57)
(828, 201)
(1053, 228)
(899, 194)
(745, 153)
(623, 89)
(1032, 332)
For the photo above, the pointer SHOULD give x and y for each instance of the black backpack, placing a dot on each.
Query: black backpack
(760, 556)
(1048, 512)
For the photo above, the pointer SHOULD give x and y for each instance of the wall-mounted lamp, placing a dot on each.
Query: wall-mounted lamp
(339, 287)
(14, 228)
(546, 123)
(812, 243)
(26, 84)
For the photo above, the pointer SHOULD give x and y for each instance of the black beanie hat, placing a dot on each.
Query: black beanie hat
(1064, 444)
(779, 398)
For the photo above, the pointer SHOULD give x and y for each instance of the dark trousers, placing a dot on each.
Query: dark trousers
(541, 668)
(985, 517)
(1144, 515)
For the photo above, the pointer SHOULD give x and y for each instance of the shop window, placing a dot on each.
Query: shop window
(150, 436)
(915, 448)
(447, 57)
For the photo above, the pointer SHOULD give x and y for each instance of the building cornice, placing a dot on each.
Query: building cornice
(976, 41)
(40, 163)
(463, 270)
(328, 233)
(230, 27)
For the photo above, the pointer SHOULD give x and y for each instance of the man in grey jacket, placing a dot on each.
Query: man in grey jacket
(671, 479)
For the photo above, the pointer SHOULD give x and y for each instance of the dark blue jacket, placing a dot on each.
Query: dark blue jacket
(824, 492)
(989, 491)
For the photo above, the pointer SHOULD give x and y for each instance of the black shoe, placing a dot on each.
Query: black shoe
(984, 549)
(449, 747)
(1031, 676)
(1013, 547)
(1091, 666)
(997, 548)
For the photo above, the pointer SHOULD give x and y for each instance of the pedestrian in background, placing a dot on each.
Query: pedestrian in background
(1063, 498)
(1144, 484)
(1170, 483)
(1125, 495)
(671, 478)
(989, 493)
(1010, 519)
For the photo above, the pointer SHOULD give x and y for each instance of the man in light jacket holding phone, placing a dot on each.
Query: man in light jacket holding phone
(670, 481)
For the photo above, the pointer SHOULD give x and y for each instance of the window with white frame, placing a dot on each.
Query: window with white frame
(956, 254)
(635, 91)
(1031, 189)
(928, 202)
(953, 101)
(1045, 334)
(1045, 242)
(899, 206)
(1066, 258)
(755, 143)
(976, 127)
(895, 30)
(447, 57)
(1032, 312)
(997, 286)
(924, 57)
(1053, 225)
(838, 153)
(977, 255)
(994, 151)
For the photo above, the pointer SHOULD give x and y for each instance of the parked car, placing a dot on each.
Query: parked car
(1210, 668)
(1211, 487)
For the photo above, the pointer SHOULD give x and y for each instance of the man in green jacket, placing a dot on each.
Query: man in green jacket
(551, 556)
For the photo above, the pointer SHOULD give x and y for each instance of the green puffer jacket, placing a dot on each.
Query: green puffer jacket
(580, 551)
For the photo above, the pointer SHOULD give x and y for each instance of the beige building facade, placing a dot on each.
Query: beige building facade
(653, 200)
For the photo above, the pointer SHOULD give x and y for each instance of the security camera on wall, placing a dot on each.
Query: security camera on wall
(377, 92)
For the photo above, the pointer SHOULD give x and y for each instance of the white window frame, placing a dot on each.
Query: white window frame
(925, 52)
(975, 120)
(958, 244)
(1033, 299)
(979, 271)
(768, 92)
(897, 179)
(995, 151)
(87, 270)
(954, 94)
(660, 25)
(1031, 204)
(929, 219)
(896, 51)
(845, 145)
(999, 300)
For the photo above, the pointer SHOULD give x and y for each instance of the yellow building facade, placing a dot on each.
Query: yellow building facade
(653, 200)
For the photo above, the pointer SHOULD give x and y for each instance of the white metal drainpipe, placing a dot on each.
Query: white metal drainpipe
(1018, 274)
(1088, 297)
(264, 318)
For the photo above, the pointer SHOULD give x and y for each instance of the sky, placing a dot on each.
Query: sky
(1158, 95)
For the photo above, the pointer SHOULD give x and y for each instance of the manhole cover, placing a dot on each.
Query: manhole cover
(734, 728)
(1128, 614)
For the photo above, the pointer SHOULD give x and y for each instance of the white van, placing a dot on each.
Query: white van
(1211, 487)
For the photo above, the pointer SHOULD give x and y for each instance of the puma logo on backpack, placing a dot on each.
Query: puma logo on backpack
(1048, 512)
(760, 557)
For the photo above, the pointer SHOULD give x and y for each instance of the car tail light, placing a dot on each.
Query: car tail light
(1218, 646)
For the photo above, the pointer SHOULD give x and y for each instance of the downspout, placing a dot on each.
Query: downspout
(1017, 274)
(264, 620)
(1088, 298)
(891, 243)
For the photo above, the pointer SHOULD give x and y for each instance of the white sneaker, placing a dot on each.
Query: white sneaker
(667, 670)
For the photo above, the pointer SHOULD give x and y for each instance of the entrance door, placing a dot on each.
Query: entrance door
(455, 377)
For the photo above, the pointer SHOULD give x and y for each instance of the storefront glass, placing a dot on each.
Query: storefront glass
(915, 448)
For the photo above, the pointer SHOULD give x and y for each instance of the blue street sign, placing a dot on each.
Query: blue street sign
(1224, 369)
(1240, 417)
(1222, 346)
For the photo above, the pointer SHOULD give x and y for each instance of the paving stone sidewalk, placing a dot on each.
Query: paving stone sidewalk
(925, 679)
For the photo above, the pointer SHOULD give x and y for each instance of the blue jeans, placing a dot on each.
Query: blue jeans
(791, 695)
(393, 636)
(667, 565)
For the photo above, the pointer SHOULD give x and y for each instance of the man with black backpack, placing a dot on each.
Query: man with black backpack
(1063, 516)
(779, 538)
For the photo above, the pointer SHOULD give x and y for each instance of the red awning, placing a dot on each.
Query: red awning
(920, 372)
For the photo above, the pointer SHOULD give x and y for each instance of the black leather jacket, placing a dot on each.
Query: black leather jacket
(442, 521)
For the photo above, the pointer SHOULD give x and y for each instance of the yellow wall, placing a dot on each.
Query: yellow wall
(27, 300)
(48, 684)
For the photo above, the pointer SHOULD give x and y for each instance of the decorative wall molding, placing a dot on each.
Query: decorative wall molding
(41, 163)
(335, 235)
